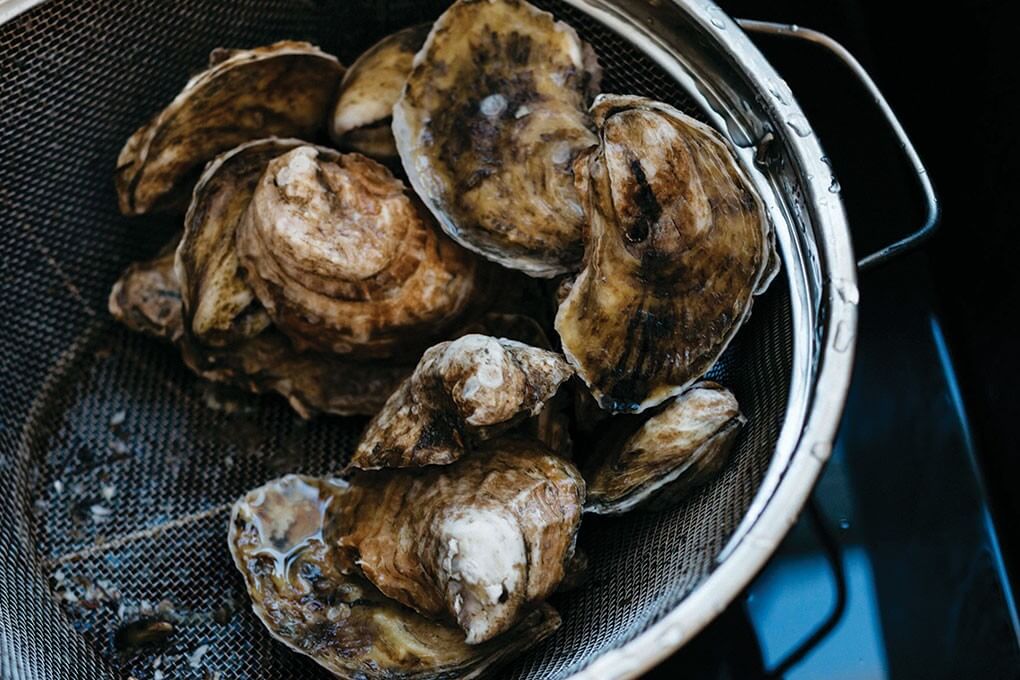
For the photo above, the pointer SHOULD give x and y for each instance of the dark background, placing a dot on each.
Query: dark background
(950, 72)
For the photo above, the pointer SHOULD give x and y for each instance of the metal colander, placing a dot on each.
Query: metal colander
(119, 466)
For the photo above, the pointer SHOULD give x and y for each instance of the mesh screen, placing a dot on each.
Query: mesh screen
(117, 466)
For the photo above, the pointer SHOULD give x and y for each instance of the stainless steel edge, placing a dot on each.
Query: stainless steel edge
(12, 8)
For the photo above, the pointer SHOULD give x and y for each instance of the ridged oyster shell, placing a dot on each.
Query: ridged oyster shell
(285, 89)
(657, 461)
(147, 299)
(219, 306)
(345, 261)
(479, 541)
(461, 392)
(678, 244)
(492, 116)
(282, 538)
(363, 113)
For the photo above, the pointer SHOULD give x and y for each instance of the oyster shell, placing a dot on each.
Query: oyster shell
(284, 89)
(345, 261)
(678, 245)
(219, 307)
(667, 456)
(461, 392)
(364, 111)
(281, 539)
(147, 299)
(480, 541)
(493, 114)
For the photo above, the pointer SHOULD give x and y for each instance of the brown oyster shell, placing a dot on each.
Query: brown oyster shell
(461, 392)
(345, 261)
(678, 244)
(658, 461)
(372, 85)
(219, 306)
(147, 299)
(284, 89)
(491, 118)
(479, 542)
(282, 538)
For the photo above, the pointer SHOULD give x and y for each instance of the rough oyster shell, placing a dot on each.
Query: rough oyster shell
(372, 85)
(219, 306)
(678, 244)
(345, 261)
(479, 541)
(461, 392)
(284, 89)
(489, 122)
(281, 539)
(147, 299)
(667, 456)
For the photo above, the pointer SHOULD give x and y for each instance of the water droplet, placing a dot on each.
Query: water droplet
(777, 91)
(716, 16)
(821, 450)
(844, 523)
(844, 337)
(493, 105)
(810, 177)
(799, 124)
(847, 291)
(834, 187)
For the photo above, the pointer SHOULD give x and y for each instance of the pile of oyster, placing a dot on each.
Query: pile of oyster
(522, 280)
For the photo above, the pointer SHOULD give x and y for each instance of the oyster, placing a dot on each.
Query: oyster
(480, 541)
(491, 118)
(462, 391)
(284, 89)
(363, 113)
(678, 244)
(667, 456)
(219, 307)
(345, 261)
(282, 541)
(147, 299)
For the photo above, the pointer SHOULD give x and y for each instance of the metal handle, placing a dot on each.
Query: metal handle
(932, 202)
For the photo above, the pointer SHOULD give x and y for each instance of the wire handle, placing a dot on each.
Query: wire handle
(931, 199)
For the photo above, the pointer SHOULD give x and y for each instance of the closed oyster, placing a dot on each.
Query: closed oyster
(147, 299)
(480, 541)
(678, 244)
(491, 118)
(282, 538)
(219, 307)
(284, 89)
(363, 113)
(462, 392)
(667, 456)
(345, 261)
